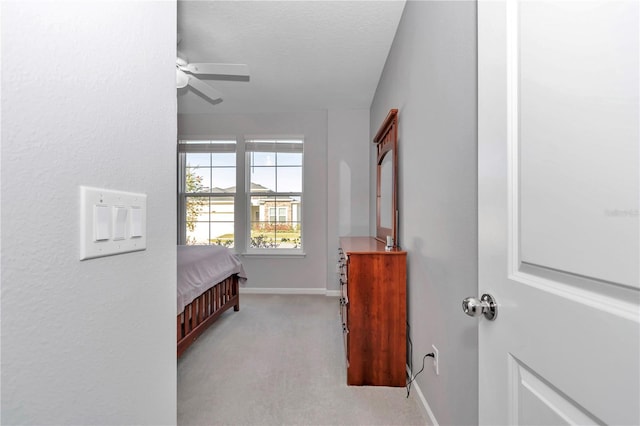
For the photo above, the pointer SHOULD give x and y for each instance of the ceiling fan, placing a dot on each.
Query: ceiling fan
(186, 76)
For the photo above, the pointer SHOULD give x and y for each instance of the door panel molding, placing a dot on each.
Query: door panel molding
(606, 263)
(620, 308)
(535, 400)
(542, 277)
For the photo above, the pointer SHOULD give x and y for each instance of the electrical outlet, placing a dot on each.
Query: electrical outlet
(436, 358)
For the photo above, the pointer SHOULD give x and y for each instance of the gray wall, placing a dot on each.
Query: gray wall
(430, 76)
(280, 272)
(88, 98)
(336, 185)
(347, 180)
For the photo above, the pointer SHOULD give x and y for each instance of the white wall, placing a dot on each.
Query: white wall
(310, 271)
(88, 98)
(430, 76)
(347, 181)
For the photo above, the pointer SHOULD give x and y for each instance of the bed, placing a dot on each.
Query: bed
(208, 280)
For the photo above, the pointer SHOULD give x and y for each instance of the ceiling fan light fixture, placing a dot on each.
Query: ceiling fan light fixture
(181, 62)
(182, 79)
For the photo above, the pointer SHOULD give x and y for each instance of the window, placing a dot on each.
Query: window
(207, 192)
(274, 172)
(260, 212)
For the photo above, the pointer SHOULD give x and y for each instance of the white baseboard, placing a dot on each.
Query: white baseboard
(310, 291)
(423, 400)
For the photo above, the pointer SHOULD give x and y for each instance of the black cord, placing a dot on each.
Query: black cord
(410, 348)
(432, 355)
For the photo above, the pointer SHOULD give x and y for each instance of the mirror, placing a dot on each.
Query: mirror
(387, 177)
(386, 191)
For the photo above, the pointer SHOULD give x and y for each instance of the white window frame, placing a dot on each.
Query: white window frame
(242, 196)
(202, 145)
(282, 145)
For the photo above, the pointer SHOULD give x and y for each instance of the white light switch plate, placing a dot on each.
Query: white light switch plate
(123, 237)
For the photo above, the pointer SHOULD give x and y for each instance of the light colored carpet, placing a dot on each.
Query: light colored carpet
(280, 360)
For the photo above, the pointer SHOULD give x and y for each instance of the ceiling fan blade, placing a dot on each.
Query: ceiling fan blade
(182, 79)
(239, 70)
(205, 89)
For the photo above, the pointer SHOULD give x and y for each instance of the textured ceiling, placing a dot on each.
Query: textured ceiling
(302, 54)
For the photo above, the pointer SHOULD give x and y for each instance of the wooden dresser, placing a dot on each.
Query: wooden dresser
(373, 311)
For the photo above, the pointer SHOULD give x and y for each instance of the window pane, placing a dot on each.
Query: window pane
(221, 209)
(198, 179)
(265, 177)
(210, 220)
(197, 209)
(223, 159)
(226, 239)
(296, 213)
(261, 238)
(287, 235)
(198, 159)
(275, 222)
(262, 222)
(289, 179)
(263, 159)
(289, 159)
(261, 204)
(222, 221)
(224, 179)
(262, 211)
(197, 233)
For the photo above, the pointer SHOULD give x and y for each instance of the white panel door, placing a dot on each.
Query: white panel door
(558, 211)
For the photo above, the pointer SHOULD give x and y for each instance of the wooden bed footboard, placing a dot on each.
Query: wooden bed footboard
(205, 309)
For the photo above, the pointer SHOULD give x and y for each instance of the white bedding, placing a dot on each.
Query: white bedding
(201, 267)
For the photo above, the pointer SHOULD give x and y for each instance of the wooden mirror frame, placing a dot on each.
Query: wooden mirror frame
(386, 141)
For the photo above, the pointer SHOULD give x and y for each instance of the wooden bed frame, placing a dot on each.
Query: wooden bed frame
(205, 309)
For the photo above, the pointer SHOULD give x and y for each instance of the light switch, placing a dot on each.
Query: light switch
(136, 222)
(111, 222)
(101, 222)
(119, 222)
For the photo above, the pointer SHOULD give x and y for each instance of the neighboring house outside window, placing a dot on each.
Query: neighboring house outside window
(209, 188)
(278, 214)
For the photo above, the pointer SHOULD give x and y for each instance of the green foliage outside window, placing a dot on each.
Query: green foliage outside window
(193, 183)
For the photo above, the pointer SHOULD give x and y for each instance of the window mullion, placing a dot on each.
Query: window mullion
(241, 217)
(181, 213)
